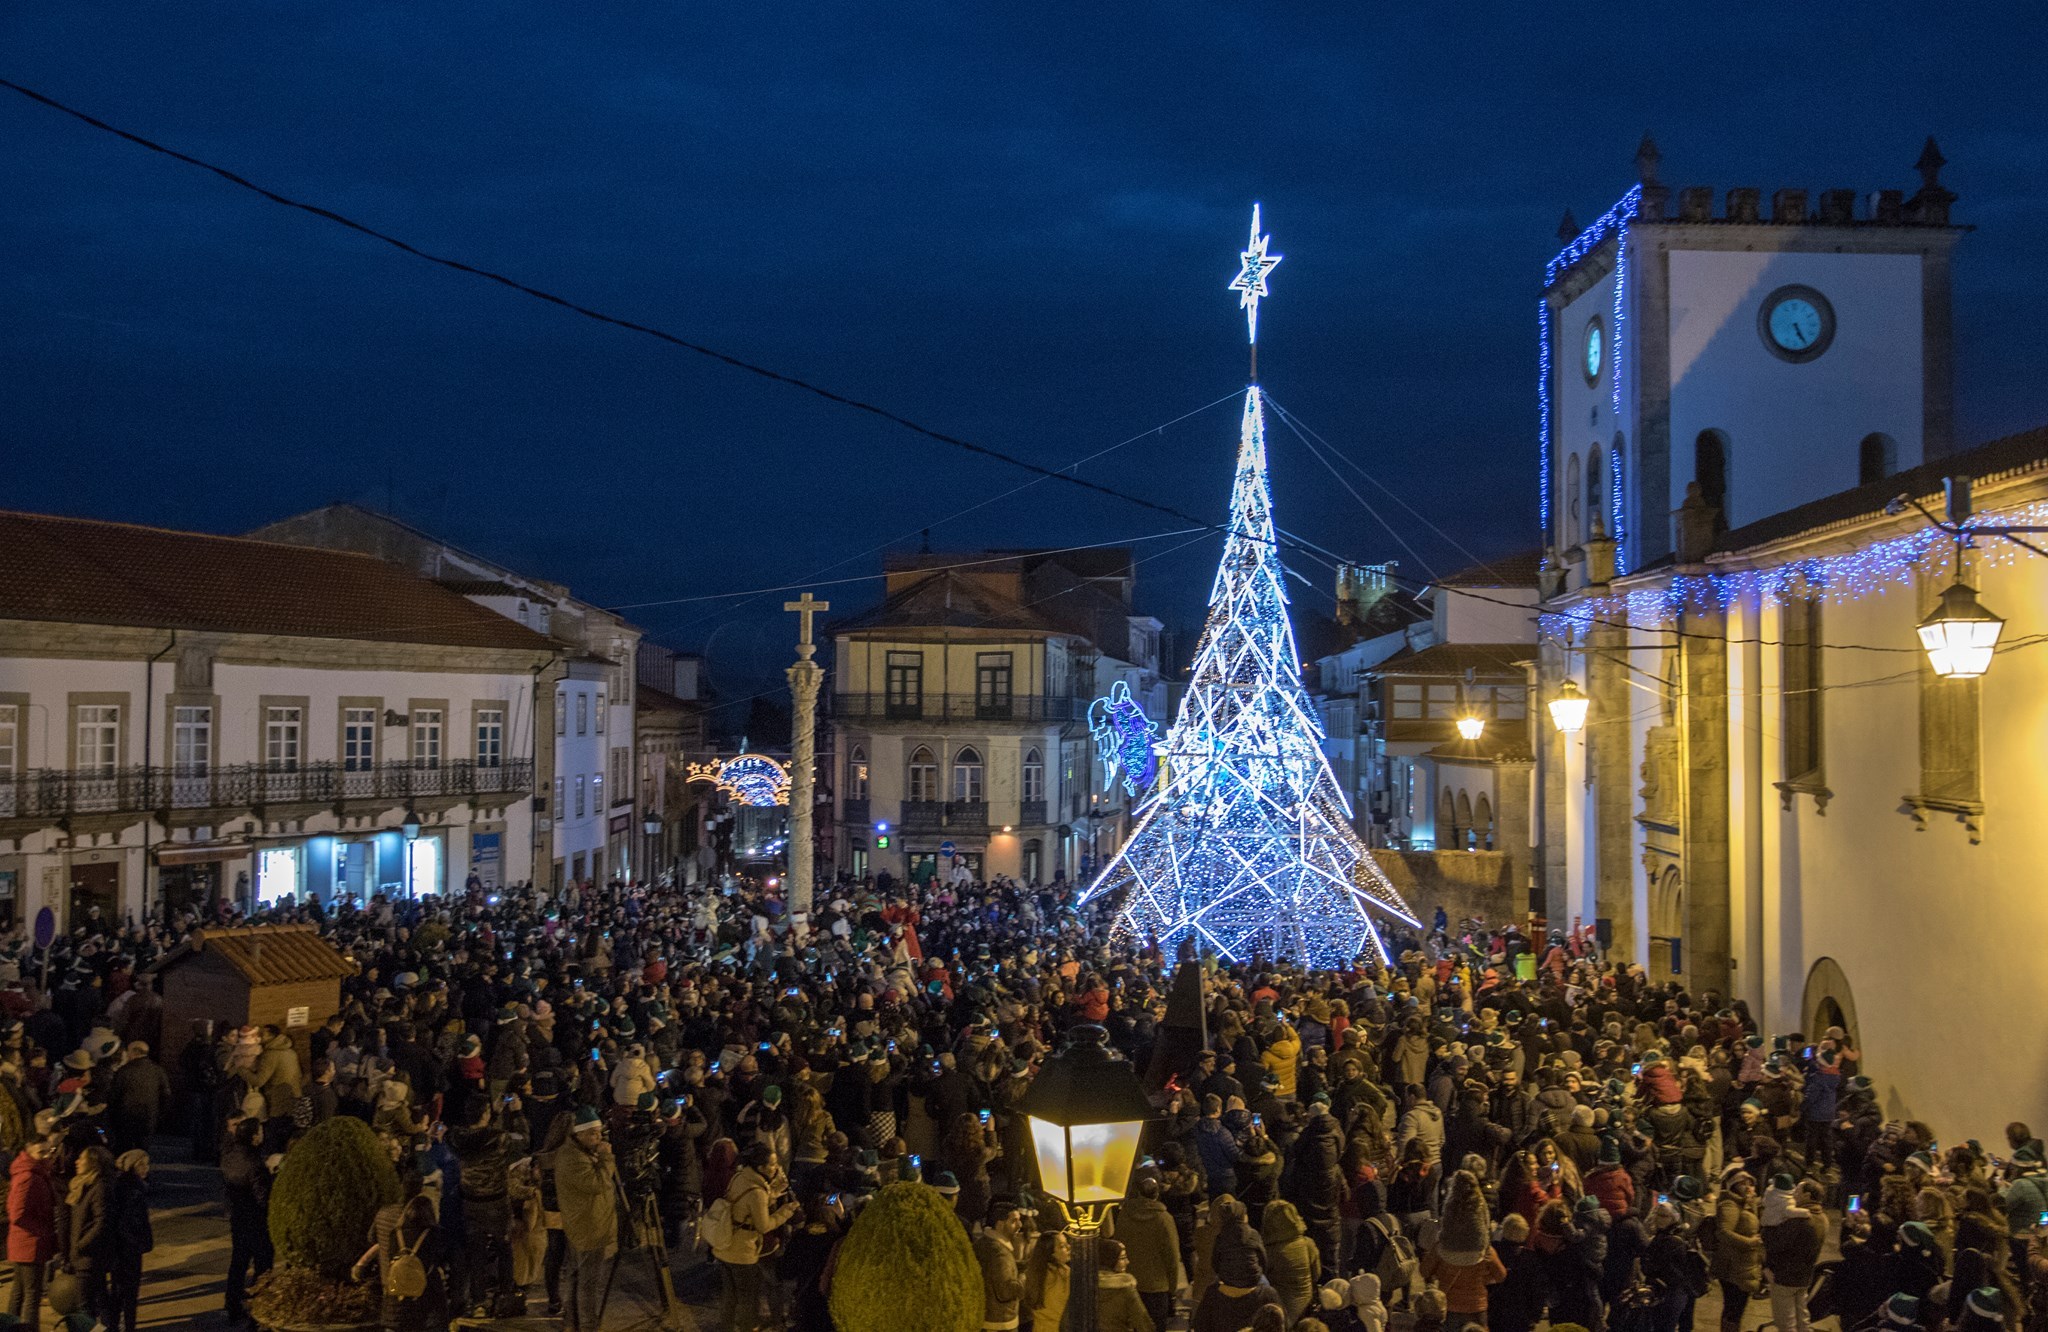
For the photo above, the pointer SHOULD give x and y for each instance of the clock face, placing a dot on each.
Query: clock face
(1797, 323)
(1596, 347)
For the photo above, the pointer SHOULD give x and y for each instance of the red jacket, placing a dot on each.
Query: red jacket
(1615, 1188)
(31, 1211)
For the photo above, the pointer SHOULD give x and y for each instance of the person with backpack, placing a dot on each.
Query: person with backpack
(735, 1227)
(406, 1244)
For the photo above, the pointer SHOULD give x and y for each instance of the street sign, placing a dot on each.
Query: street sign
(46, 927)
(945, 849)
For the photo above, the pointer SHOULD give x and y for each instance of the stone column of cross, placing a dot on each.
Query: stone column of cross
(805, 676)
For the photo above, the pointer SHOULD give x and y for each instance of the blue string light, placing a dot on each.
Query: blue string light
(1543, 463)
(1245, 845)
(1614, 222)
(1875, 569)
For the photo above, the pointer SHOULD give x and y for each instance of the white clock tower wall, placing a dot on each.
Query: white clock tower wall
(1851, 380)
(1793, 431)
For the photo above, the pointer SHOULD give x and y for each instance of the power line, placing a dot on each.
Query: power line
(574, 307)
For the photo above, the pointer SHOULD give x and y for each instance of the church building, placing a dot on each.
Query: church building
(1747, 445)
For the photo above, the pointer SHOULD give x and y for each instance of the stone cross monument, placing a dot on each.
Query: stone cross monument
(804, 678)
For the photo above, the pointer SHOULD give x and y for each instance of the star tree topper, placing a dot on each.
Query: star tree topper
(1251, 278)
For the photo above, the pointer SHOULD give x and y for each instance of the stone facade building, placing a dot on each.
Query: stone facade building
(958, 712)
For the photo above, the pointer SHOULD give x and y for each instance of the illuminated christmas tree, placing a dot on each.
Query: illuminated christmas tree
(1245, 844)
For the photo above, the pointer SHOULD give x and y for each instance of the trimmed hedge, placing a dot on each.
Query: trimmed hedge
(327, 1193)
(907, 1266)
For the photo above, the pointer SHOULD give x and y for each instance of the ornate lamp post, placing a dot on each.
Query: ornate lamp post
(1086, 1110)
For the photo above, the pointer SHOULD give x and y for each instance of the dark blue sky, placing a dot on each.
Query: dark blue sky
(1010, 222)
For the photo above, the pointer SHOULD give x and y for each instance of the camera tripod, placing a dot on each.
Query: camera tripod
(645, 1218)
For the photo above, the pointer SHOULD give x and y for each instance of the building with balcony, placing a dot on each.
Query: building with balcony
(185, 718)
(958, 712)
(586, 826)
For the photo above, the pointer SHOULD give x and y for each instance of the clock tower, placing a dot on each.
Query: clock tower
(1771, 356)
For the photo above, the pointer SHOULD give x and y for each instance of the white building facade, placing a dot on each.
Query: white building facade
(201, 718)
(586, 824)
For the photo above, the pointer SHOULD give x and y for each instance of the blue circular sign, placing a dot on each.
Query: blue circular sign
(945, 848)
(46, 927)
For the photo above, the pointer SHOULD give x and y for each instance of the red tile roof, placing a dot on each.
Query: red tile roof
(84, 571)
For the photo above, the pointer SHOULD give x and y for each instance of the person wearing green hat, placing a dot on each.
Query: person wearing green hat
(586, 1188)
(1738, 1258)
(1795, 1228)
(2025, 1200)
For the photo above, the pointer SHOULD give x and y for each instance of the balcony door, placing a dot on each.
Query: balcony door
(992, 686)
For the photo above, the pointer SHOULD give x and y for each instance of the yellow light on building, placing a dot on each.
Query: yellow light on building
(1568, 709)
(1960, 635)
(1471, 728)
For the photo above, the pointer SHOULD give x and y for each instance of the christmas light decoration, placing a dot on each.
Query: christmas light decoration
(1251, 278)
(1245, 845)
(1881, 566)
(1123, 739)
(1614, 222)
(751, 779)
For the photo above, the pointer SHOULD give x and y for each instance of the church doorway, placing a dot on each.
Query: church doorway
(1829, 1002)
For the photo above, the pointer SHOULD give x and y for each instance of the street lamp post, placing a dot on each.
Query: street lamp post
(1086, 1110)
(651, 828)
(1568, 709)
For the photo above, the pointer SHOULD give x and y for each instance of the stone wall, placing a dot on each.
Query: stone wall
(1463, 883)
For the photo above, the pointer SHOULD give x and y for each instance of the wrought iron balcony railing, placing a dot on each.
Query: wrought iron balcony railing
(1031, 813)
(51, 793)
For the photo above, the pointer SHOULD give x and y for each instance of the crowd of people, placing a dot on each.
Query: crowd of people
(1488, 1130)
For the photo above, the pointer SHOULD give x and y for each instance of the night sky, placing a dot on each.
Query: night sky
(1013, 223)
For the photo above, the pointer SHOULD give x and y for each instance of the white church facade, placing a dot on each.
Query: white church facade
(1773, 796)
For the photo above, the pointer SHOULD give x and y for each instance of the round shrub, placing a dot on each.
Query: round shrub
(907, 1266)
(327, 1193)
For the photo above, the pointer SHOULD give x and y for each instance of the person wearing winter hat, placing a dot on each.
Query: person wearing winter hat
(1738, 1258)
(1610, 1181)
(1900, 1313)
(1984, 1310)
(1794, 1231)
(1463, 1261)
(1917, 1265)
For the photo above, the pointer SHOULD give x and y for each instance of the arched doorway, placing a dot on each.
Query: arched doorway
(1667, 926)
(1829, 1002)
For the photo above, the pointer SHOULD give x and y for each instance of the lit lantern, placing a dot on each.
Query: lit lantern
(1471, 728)
(1959, 634)
(1568, 709)
(1087, 1110)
